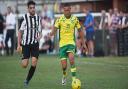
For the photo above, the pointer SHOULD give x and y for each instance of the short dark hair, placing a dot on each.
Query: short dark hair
(31, 3)
(66, 5)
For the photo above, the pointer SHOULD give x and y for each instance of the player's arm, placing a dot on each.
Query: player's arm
(20, 32)
(19, 41)
(56, 26)
(81, 35)
(19, 37)
(80, 32)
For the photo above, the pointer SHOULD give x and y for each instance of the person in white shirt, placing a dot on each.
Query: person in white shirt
(113, 32)
(10, 27)
(110, 15)
(103, 20)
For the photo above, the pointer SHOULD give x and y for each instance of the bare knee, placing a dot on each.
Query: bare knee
(71, 58)
(24, 63)
(72, 62)
(34, 61)
(64, 64)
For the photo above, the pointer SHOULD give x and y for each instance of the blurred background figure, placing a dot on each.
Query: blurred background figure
(47, 20)
(47, 46)
(47, 12)
(103, 20)
(125, 20)
(89, 29)
(113, 32)
(2, 22)
(10, 27)
(110, 15)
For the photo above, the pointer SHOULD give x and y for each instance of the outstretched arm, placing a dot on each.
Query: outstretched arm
(55, 27)
(81, 35)
(19, 41)
(20, 32)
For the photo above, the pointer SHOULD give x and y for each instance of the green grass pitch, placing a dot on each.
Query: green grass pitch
(94, 73)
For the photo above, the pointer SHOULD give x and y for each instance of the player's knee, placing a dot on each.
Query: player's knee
(24, 65)
(34, 61)
(71, 56)
(64, 64)
(71, 60)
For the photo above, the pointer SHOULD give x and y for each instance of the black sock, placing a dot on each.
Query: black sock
(30, 73)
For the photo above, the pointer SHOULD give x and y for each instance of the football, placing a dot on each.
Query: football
(76, 84)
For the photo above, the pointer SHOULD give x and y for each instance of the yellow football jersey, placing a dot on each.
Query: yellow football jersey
(67, 29)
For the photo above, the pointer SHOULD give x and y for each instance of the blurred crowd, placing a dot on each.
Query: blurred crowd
(114, 21)
(111, 20)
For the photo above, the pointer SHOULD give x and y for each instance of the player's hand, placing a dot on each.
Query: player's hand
(19, 49)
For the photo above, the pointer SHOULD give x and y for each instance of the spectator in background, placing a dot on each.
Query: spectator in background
(47, 12)
(113, 32)
(115, 20)
(89, 28)
(125, 21)
(46, 24)
(1, 34)
(10, 27)
(47, 46)
(110, 15)
(103, 20)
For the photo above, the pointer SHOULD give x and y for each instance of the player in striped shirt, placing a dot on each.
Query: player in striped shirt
(28, 36)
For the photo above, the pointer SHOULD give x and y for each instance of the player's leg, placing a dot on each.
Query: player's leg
(63, 57)
(24, 63)
(34, 54)
(32, 69)
(72, 63)
(25, 59)
(64, 68)
(71, 51)
(26, 55)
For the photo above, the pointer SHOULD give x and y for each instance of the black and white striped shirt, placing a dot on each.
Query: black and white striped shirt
(31, 27)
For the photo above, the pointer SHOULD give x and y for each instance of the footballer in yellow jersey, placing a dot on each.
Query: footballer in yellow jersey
(66, 25)
(67, 29)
